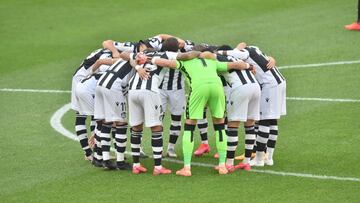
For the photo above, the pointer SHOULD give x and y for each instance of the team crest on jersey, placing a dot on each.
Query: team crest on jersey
(231, 103)
(156, 107)
(123, 115)
(117, 103)
(267, 99)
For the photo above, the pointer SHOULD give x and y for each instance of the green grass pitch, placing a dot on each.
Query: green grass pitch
(42, 42)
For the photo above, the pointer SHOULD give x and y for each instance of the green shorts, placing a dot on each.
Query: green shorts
(208, 94)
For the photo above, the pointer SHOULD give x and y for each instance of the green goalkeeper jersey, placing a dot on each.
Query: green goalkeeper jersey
(201, 71)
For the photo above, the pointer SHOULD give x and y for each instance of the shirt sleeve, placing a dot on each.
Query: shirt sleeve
(156, 43)
(221, 66)
(171, 55)
(242, 54)
(124, 46)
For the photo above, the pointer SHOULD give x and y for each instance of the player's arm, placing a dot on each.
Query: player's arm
(163, 62)
(99, 62)
(242, 54)
(109, 44)
(166, 36)
(239, 65)
(188, 55)
(207, 55)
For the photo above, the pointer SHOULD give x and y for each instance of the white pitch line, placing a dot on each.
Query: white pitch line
(56, 124)
(33, 90)
(322, 99)
(288, 98)
(320, 64)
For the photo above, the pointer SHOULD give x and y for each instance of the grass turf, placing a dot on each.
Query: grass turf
(42, 42)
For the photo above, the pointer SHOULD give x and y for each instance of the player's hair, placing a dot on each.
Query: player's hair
(170, 44)
(224, 47)
(205, 47)
(146, 42)
(199, 47)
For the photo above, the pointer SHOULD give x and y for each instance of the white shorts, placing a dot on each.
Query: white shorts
(282, 89)
(175, 99)
(244, 103)
(273, 102)
(85, 95)
(227, 91)
(145, 107)
(74, 102)
(109, 105)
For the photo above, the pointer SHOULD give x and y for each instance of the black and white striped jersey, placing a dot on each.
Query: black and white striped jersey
(132, 47)
(117, 75)
(156, 73)
(236, 78)
(155, 42)
(173, 80)
(188, 46)
(253, 55)
(84, 68)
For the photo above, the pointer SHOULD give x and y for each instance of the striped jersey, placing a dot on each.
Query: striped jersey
(155, 42)
(253, 55)
(236, 78)
(117, 76)
(84, 68)
(156, 73)
(173, 80)
(132, 47)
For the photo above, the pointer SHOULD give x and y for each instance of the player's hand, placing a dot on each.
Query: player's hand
(140, 58)
(271, 63)
(143, 74)
(252, 69)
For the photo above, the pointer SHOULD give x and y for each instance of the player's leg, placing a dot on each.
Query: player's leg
(253, 113)
(135, 140)
(177, 107)
(105, 145)
(204, 147)
(99, 115)
(175, 128)
(261, 141)
(202, 124)
(187, 146)
(355, 25)
(136, 120)
(196, 102)
(109, 103)
(232, 143)
(216, 104)
(120, 141)
(92, 124)
(268, 110)
(97, 160)
(81, 132)
(271, 142)
(80, 120)
(274, 129)
(153, 112)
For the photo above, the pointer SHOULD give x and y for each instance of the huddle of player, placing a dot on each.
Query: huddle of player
(135, 82)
